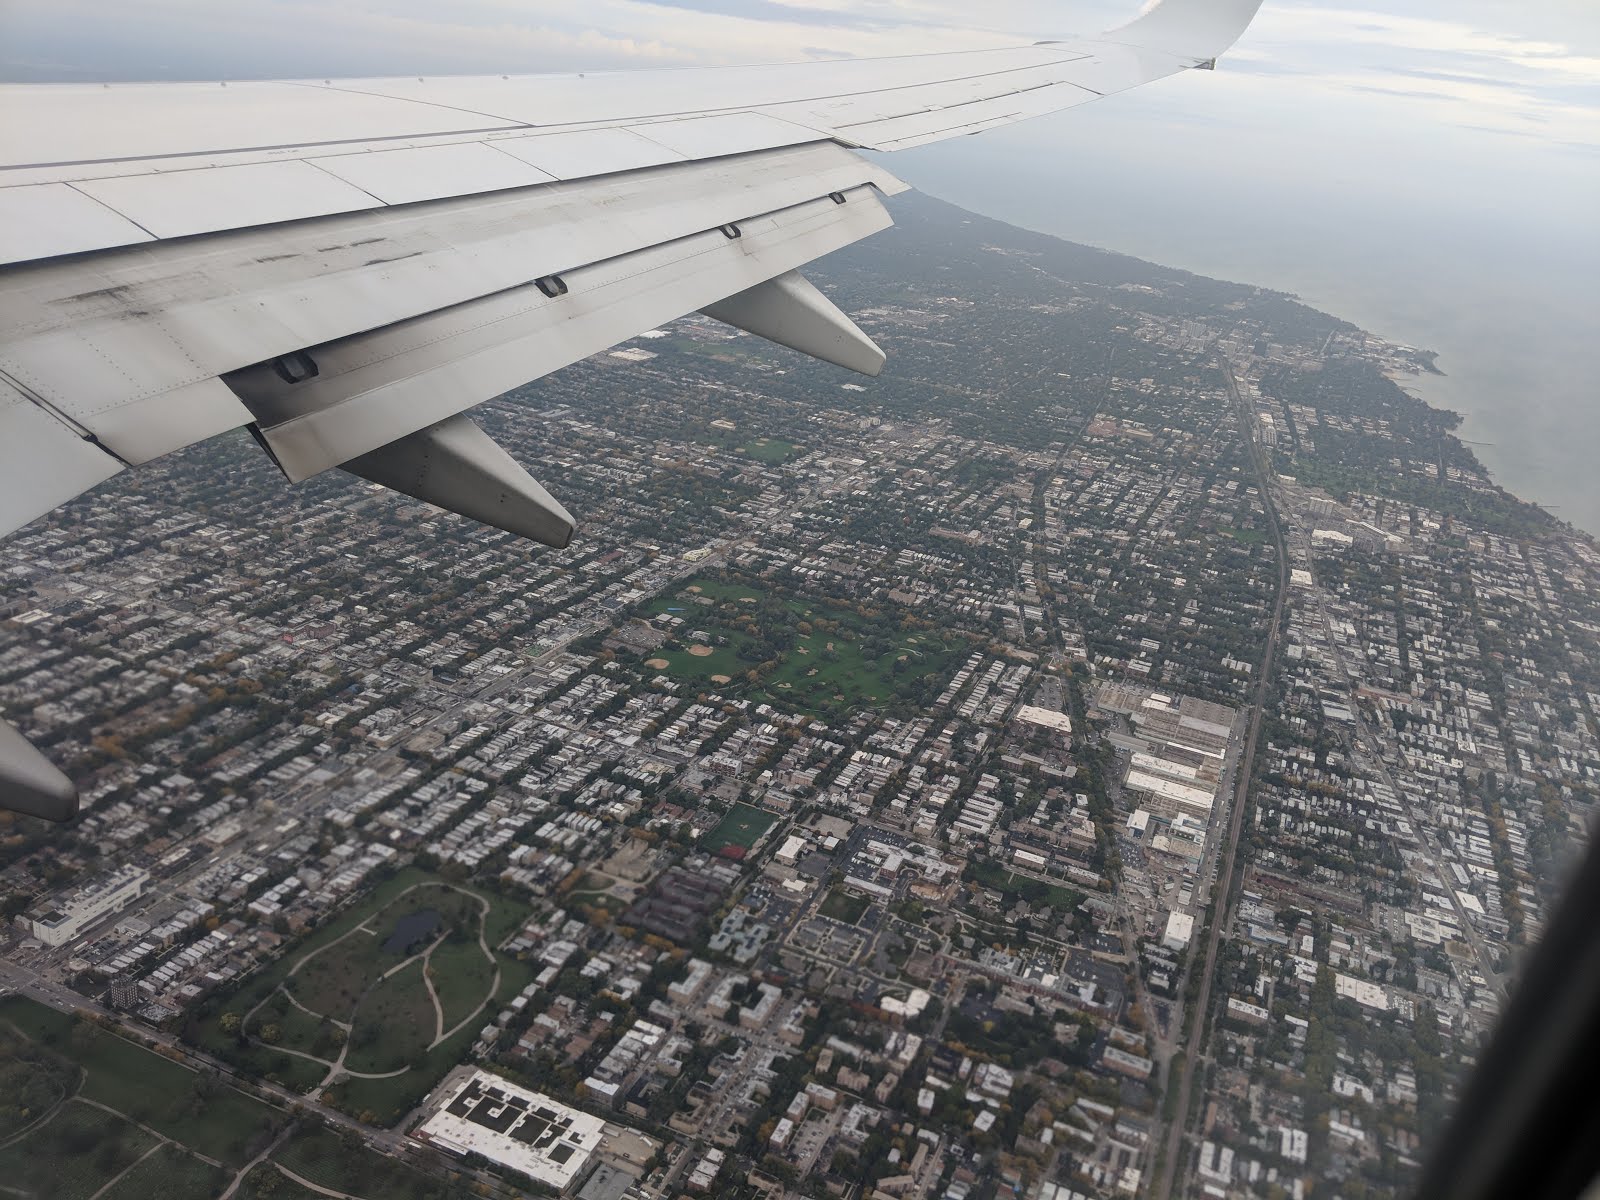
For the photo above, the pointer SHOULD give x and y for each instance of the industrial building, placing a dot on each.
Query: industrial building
(64, 921)
(526, 1131)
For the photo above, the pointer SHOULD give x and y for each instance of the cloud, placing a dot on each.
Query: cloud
(1443, 70)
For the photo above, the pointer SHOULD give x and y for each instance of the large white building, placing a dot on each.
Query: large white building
(1049, 718)
(1179, 932)
(526, 1131)
(71, 916)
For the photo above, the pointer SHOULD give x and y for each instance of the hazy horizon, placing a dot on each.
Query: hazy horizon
(1428, 171)
(1510, 318)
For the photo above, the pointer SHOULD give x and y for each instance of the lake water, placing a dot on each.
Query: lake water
(1512, 307)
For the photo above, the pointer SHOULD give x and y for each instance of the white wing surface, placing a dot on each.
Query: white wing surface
(347, 266)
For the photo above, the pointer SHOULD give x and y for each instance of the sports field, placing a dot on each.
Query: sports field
(743, 826)
(770, 450)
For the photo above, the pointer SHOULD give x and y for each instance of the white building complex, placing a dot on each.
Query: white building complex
(526, 1131)
(71, 916)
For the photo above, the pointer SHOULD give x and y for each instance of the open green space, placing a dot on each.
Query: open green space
(802, 654)
(331, 981)
(395, 1024)
(392, 1020)
(271, 1063)
(345, 1164)
(32, 1080)
(351, 965)
(171, 1174)
(462, 977)
(266, 1182)
(385, 1101)
(73, 1155)
(770, 450)
(742, 826)
(192, 1108)
(285, 1026)
(1013, 887)
(842, 906)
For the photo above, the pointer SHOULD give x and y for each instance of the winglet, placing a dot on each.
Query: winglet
(1197, 29)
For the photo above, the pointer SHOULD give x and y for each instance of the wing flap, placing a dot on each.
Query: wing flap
(43, 462)
(588, 153)
(127, 346)
(43, 220)
(434, 172)
(374, 388)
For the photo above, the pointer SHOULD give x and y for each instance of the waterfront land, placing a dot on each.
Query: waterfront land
(1126, 749)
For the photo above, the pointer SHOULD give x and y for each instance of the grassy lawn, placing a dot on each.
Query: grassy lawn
(462, 977)
(266, 1182)
(515, 975)
(31, 1081)
(294, 1028)
(394, 1025)
(77, 1152)
(392, 1021)
(268, 1062)
(743, 826)
(772, 451)
(826, 659)
(1014, 887)
(842, 906)
(172, 1175)
(201, 1113)
(332, 981)
(344, 1165)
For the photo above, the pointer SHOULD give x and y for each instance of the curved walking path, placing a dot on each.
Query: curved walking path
(336, 1067)
(433, 995)
(494, 985)
(311, 1012)
(161, 1138)
(361, 928)
(309, 1186)
(272, 1148)
(45, 1117)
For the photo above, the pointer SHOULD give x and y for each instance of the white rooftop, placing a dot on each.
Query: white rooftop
(526, 1131)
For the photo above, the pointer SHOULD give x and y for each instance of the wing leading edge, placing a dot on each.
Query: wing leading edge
(346, 267)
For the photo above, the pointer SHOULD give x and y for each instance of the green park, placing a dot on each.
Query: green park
(798, 653)
(85, 1112)
(369, 1011)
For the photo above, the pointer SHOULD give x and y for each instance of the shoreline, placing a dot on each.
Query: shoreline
(1516, 370)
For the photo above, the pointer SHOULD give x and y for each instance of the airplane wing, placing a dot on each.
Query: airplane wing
(346, 266)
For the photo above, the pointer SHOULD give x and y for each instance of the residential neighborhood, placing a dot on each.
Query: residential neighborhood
(1126, 750)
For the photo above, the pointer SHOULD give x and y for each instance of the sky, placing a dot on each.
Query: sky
(1425, 168)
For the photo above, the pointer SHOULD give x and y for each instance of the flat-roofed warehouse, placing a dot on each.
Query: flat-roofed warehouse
(526, 1131)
